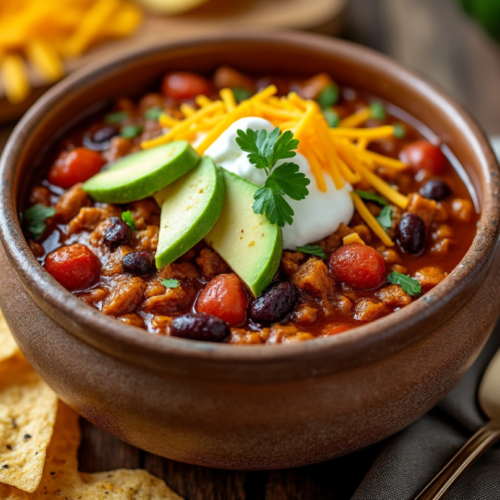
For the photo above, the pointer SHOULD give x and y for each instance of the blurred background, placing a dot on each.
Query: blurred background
(452, 42)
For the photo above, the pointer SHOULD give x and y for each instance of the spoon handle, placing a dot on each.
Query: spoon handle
(480, 442)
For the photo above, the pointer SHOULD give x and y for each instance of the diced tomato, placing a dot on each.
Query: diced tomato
(72, 167)
(181, 86)
(226, 298)
(422, 155)
(330, 330)
(75, 267)
(358, 266)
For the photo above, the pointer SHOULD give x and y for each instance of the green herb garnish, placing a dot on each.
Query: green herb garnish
(170, 283)
(385, 217)
(409, 285)
(241, 94)
(130, 131)
(153, 113)
(366, 195)
(315, 250)
(328, 96)
(332, 117)
(399, 131)
(35, 218)
(264, 151)
(116, 118)
(127, 217)
(377, 111)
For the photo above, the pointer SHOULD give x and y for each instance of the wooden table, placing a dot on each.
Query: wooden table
(433, 37)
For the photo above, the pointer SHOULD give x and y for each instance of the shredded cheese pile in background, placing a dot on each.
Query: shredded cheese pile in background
(340, 152)
(44, 32)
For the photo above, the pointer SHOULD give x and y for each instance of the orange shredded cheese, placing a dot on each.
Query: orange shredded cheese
(356, 119)
(228, 99)
(370, 220)
(353, 238)
(364, 133)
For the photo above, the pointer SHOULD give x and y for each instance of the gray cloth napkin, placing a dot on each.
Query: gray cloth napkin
(411, 458)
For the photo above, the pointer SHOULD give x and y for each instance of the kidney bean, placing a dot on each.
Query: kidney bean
(138, 263)
(99, 140)
(411, 233)
(117, 234)
(435, 189)
(199, 326)
(275, 303)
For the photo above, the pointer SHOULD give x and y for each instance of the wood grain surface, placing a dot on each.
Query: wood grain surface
(436, 39)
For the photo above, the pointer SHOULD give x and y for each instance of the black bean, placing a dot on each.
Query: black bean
(199, 326)
(99, 139)
(435, 190)
(411, 233)
(117, 234)
(275, 303)
(138, 263)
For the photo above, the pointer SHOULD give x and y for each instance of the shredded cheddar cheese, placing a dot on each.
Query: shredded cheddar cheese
(339, 152)
(353, 238)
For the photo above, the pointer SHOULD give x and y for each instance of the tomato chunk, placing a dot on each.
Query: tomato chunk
(181, 86)
(358, 266)
(226, 298)
(422, 155)
(75, 267)
(72, 167)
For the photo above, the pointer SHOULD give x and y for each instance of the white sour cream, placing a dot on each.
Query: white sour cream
(319, 215)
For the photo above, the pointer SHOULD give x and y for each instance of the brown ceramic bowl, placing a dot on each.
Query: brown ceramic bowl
(251, 407)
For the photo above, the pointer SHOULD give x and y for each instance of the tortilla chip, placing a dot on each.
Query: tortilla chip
(61, 479)
(8, 346)
(28, 410)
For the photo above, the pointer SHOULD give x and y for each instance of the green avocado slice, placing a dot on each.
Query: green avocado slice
(248, 242)
(139, 175)
(190, 207)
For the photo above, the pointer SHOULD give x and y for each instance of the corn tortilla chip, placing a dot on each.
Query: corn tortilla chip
(61, 479)
(28, 410)
(8, 346)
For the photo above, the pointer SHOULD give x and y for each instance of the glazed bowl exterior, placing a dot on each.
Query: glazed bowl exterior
(251, 407)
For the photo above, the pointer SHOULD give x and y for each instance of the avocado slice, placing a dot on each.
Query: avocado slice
(248, 242)
(190, 207)
(142, 174)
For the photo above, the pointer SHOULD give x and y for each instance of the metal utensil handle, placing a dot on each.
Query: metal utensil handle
(480, 442)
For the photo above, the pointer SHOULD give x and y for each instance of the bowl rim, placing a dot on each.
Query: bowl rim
(372, 339)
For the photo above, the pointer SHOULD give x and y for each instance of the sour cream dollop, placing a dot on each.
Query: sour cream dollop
(316, 217)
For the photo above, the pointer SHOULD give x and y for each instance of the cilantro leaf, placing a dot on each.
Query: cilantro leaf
(377, 111)
(409, 285)
(153, 113)
(328, 96)
(284, 146)
(170, 283)
(399, 131)
(385, 217)
(241, 94)
(289, 180)
(315, 250)
(35, 217)
(332, 117)
(375, 198)
(116, 118)
(130, 131)
(272, 204)
(127, 217)
(254, 143)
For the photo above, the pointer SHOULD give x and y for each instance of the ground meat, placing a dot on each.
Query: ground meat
(390, 256)
(462, 210)
(154, 288)
(36, 248)
(211, 264)
(280, 334)
(364, 233)
(393, 296)
(424, 208)
(150, 100)
(132, 319)
(334, 241)
(429, 277)
(118, 147)
(340, 303)
(368, 310)
(40, 194)
(94, 296)
(173, 301)
(290, 261)
(89, 218)
(305, 314)
(242, 336)
(145, 213)
(125, 295)
(146, 239)
(161, 323)
(71, 202)
(313, 277)
(114, 264)
(180, 271)
(442, 247)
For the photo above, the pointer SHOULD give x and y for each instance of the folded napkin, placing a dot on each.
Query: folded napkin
(411, 458)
